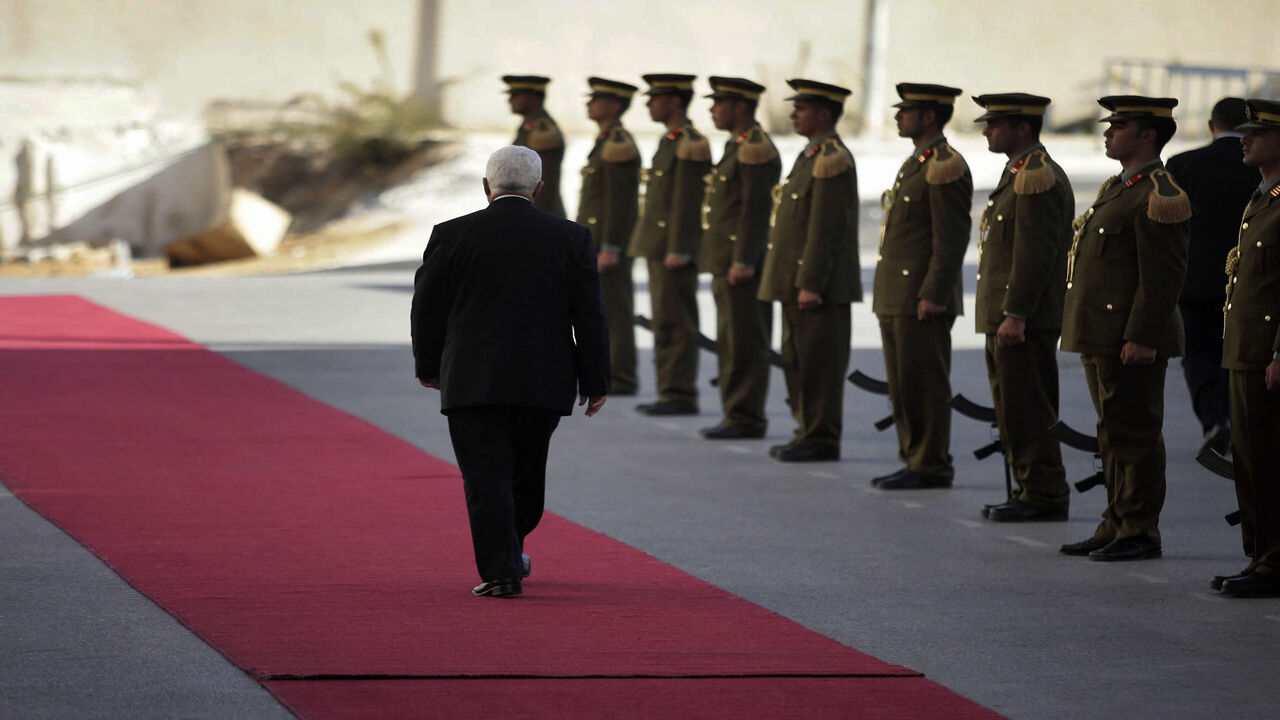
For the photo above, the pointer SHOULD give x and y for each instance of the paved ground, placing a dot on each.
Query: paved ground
(991, 611)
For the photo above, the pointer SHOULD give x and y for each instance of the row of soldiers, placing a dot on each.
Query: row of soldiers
(1105, 284)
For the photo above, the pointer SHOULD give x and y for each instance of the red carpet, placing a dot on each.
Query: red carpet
(303, 542)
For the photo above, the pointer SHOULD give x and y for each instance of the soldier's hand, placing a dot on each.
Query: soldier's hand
(927, 310)
(739, 274)
(606, 261)
(1012, 332)
(596, 402)
(1273, 375)
(674, 263)
(433, 383)
(809, 300)
(1135, 354)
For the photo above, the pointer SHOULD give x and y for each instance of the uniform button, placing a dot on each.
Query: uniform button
(800, 262)
(1068, 286)
(733, 238)
(990, 203)
(906, 198)
(906, 272)
(1244, 226)
(1101, 231)
(794, 196)
(723, 178)
(658, 173)
(1235, 279)
(1267, 318)
(1000, 217)
(591, 221)
(769, 246)
(1228, 306)
(1259, 243)
(1090, 212)
(979, 276)
(1109, 306)
(662, 223)
(879, 258)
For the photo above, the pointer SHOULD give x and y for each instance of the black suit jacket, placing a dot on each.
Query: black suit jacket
(507, 310)
(1219, 185)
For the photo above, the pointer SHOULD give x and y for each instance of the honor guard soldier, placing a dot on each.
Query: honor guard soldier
(1124, 272)
(1251, 352)
(538, 132)
(1024, 237)
(918, 288)
(608, 207)
(811, 267)
(667, 236)
(735, 229)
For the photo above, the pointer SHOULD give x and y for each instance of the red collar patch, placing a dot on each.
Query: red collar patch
(925, 155)
(1133, 180)
(675, 133)
(1017, 166)
(742, 136)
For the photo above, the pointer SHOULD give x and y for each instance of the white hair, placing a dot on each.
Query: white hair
(514, 169)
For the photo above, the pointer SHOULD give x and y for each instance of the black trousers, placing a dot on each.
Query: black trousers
(1202, 363)
(502, 451)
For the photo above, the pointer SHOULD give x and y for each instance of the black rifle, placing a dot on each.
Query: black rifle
(1084, 443)
(982, 413)
(875, 387)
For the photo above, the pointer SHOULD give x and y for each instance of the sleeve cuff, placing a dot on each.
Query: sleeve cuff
(611, 248)
(680, 256)
(1015, 316)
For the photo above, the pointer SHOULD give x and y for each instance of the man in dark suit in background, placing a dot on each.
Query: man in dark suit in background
(508, 322)
(1219, 184)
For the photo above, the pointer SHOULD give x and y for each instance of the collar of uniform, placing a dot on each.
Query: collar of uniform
(1142, 169)
(741, 137)
(511, 195)
(1235, 135)
(1017, 158)
(530, 124)
(674, 133)
(1266, 186)
(817, 142)
(609, 128)
(931, 142)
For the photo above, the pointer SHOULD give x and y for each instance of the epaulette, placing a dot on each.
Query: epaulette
(756, 148)
(946, 166)
(544, 135)
(693, 146)
(1035, 175)
(832, 160)
(619, 147)
(1167, 202)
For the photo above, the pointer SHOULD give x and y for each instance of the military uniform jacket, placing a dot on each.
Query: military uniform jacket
(1126, 267)
(1024, 238)
(813, 241)
(671, 223)
(1253, 294)
(925, 233)
(735, 210)
(543, 136)
(609, 201)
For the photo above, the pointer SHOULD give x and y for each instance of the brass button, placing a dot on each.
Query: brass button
(1000, 217)
(662, 223)
(1228, 306)
(1235, 279)
(1267, 318)
(906, 272)
(657, 173)
(879, 258)
(1101, 231)
(1259, 243)
(591, 221)
(723, 178)
(906, 198)
(1109, 306)
(800, 262)
(769, 246)
(1090, 212)
(1068, 286)
(733, 238)
(979, 276)
(1244, 226)
(794, 196)
(990, 203)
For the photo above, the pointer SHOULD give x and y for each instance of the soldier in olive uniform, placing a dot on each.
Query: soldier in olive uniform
(608, 206)
(1124, 273)
(735, 229)
(538, 132)
(811, 267)
(918, 288)
(1251, 352)
(1022, 259)
(667, 236)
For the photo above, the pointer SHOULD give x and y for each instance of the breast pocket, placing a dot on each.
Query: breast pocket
(1258, 333)
(1116, 242)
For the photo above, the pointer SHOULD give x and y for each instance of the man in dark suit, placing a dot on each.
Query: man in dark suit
(508, 323)
(1219, 184)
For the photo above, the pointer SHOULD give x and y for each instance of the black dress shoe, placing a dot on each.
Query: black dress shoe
(1019, 511)
(505, 587)
(802, 452)
(1130, 548)
(1084, 547)
(526, 565)
(1253, 585)
(912, 480)
(1218, 580)
(875, 481)
(667, 408)
(730, 432)
(777, 449)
